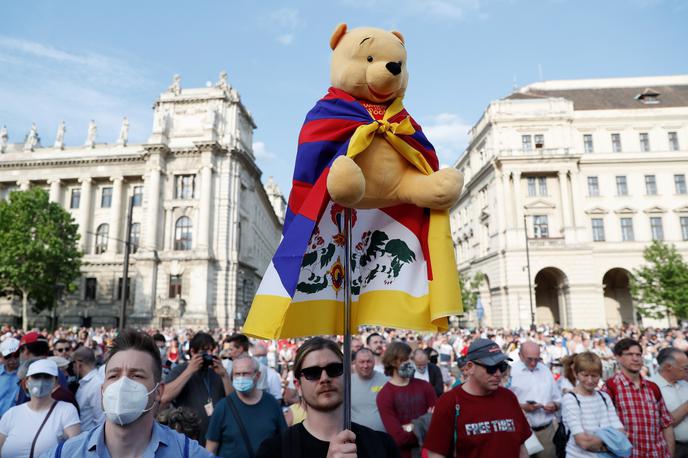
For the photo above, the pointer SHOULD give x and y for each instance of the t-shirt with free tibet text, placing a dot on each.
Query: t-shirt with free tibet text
(492, 425)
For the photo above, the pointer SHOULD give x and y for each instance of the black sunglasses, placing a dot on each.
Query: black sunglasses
(315, 372)
(501, 367)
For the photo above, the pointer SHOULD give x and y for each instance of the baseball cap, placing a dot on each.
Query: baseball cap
(42, 366)
(31, 337)
(59, 360)
(486, 352)
(9, 346)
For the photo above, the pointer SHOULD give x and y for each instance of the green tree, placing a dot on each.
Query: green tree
(469, 289)
(661, 285)
(39, 258)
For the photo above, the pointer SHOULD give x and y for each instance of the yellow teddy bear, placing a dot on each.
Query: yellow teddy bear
(370, 64)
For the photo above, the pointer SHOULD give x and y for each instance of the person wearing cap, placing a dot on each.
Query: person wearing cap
(9, 382)
(32, 428)
(539, 395)
(479, 418)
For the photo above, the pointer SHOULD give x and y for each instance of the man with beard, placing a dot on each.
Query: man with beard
(318, 370)
(479, 418)
(377, 345)
(639, 404)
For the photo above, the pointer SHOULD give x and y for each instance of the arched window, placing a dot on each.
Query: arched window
(135, 237)
(102, 238)
(182, 234)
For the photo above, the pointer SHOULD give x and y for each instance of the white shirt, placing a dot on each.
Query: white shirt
(20, 425)
(537, 385)
(674, 395)
(592, 414)
(422, 375)
(88, 397)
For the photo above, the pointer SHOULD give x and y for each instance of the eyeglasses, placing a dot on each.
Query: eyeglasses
(501, 367)
(315, 372)
(60, 350)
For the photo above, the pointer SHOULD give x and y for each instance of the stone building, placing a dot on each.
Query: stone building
(204, 227)
(592, 171)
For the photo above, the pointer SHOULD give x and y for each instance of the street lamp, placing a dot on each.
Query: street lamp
(530, 284)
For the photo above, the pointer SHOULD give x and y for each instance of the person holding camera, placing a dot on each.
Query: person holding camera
(200, 383)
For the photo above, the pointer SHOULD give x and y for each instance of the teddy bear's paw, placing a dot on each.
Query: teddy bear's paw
(443, 189)
(345, 182)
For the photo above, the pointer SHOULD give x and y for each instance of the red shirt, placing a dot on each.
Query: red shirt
(492, 425)
(398, 405)
(643, 413)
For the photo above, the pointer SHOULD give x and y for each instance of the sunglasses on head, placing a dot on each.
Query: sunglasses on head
(315, 372)
(501, 367)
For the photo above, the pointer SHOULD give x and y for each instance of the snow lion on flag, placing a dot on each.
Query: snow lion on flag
(359, 148)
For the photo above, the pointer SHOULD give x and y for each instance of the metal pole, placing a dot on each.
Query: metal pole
(347, 320)
(530, 285)
(125, 272)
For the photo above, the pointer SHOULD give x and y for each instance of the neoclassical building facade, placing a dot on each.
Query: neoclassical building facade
(586, 173)
(203, 226)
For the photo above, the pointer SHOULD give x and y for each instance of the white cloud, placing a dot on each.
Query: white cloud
(260, 151)
(449, 135)
(285, 22)
(285, 39)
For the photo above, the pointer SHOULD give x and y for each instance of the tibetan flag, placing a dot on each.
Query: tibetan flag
(403, 268)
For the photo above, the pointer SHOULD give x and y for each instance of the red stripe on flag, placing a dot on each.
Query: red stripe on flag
(317, 198)
(334, 93)
(298, 194)
(416, 220)
(328, 130)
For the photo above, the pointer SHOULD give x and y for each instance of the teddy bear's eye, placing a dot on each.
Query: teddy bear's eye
(370, 58)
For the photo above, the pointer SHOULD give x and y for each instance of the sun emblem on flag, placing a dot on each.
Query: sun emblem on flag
(337, 275)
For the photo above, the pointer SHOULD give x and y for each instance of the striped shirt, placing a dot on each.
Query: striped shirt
(591, 415)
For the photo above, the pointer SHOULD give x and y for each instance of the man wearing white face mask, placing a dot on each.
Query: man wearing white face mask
(131, 395)
(245, 418)
(31, 428)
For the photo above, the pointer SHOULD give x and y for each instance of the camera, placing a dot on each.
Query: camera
(207, 360)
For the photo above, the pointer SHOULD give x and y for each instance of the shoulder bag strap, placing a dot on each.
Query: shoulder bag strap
(186, 446)
(38, 433)
(242, 428)
(58, 452)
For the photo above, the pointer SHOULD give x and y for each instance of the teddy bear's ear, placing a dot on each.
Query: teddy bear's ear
(337, 35)
(398, 35)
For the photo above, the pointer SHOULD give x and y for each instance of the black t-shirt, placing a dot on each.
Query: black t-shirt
(297, 442)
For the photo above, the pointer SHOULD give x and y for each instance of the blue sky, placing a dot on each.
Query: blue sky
(82, 60)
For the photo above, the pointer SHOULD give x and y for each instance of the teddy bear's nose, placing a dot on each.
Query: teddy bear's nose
(394, 67)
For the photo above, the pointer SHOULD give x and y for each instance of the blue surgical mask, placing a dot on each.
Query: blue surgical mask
(242, 384)
(262, 360)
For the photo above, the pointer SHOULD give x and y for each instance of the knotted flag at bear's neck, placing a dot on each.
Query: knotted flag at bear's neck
(403, 267)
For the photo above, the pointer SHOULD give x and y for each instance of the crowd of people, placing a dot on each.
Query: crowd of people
(547, 392)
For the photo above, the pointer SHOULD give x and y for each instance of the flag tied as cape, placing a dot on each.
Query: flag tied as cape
(403, 268)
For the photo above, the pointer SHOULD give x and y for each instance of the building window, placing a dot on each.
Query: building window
(650, 185)
(627, 229)
(593, 187)
(587, 143)
(621, 186)
(184, 186)
(527, 142)
(102, 238)
(75, 199)
(680, 183)
(138, 196)
(540, 227)
(616, 143)
(644, 142)
(537, 186)
(684, 227)
(598, 230)
(90, 289)
(673, 141)
(175, 286)
(135, 237)
(119, 289)
(182, 234)
(539, 141)
(106, 198)
(656, 228)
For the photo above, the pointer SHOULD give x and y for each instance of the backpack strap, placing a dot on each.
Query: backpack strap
(603, 400)
(58, 451)
(186, 446)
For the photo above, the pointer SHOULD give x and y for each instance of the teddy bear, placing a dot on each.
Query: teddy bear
(370, 64)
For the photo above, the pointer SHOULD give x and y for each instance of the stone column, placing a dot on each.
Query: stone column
(501, 210)
(565, 202)
(115, 244)
(24, 185)
(85, 214)
(153, 209)
(204, 215)
(518, 201)
(577, 201)
(55, 189)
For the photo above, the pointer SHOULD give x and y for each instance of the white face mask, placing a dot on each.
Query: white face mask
(125, 401)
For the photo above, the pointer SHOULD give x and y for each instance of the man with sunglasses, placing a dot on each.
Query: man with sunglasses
(318, 370)
(479, 418)
(9, 382)
(539, 395)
